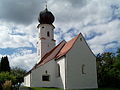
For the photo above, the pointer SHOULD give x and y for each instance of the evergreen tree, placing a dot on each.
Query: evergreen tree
(0, 66)
(5, 67)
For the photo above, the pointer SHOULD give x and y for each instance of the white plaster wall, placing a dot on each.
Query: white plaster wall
(27, 80)
(80, 54)
(45, 45)
(43, 31)
(61, 79)
(36, 77)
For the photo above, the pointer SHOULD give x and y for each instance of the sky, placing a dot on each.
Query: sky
(97, 20)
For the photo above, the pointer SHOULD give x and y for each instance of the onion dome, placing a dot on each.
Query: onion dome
(46, 17)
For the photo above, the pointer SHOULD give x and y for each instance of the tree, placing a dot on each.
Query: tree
(19, 73)
(104, 65)
(16, 76)
(5, 67)
(0, 66)
(6, 76)
(115, 71)
(108, 69)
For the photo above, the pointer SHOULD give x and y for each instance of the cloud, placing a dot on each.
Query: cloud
(98, 20)
(110, 32)
(102, 22)
(17, 36)
(20, 12)
(25, 60)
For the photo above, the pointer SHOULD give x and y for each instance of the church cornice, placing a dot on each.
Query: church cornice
(42, 38)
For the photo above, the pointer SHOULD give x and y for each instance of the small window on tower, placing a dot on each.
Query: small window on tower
(48, 34)
(43, 27)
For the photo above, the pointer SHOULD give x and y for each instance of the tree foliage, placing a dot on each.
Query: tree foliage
(19, 73)
(15, 75)
(6, 76)
(108, 69)
(5, 67)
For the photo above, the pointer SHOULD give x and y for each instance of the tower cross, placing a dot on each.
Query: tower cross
(46, 3)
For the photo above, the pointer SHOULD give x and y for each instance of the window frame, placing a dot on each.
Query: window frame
(46, 78)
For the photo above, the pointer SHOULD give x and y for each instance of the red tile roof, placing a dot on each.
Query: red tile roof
(51, 55)
(67, 47)
(60, 50)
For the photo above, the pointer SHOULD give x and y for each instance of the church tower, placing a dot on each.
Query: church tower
(46, 33)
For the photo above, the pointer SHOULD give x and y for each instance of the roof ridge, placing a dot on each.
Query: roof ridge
(63, 51)
(60, 49)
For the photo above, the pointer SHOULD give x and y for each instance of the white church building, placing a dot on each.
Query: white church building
(69, 65)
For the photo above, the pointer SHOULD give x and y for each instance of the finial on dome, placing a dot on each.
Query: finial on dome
(46, 4)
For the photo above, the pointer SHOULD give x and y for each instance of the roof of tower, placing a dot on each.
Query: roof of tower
(46, 17)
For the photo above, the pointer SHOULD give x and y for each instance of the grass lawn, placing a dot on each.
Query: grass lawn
(36, 88)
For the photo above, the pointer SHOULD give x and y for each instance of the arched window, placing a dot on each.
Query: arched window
(46, 76)
(46, 71)
(48, 34)
(58, 66)
(80, 39)
(83, 69)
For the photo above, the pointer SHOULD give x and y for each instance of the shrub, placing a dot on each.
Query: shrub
(7, 85)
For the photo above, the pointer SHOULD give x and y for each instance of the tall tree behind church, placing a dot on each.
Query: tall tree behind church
(5, 67)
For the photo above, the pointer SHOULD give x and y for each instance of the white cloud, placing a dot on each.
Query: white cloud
(110, 32)
(91, 17)
(95, 16)
(25, 60)
(15, 39)
(20, 12)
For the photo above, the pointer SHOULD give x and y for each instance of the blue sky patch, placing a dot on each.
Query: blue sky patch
(10, 51)
(92, 35)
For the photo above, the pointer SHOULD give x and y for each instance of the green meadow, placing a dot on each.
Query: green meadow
(36, 88)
